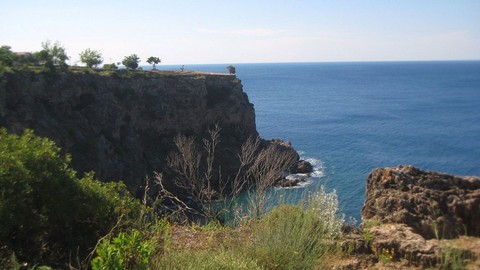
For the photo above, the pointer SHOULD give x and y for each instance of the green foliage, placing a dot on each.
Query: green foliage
(153, 61)
(53, 56)
(126, 251)
(6, 55)
(110, 66)
(131, 61)
(46, 212)
(231, 69)
(91, 57)
(296, 237)
(4, 69)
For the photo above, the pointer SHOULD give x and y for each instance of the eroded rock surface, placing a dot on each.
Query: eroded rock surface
(434, 205)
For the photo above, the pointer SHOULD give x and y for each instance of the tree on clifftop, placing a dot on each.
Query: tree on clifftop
(131, 61)
(231, 69)
(91, 58)
(153, 61)
(53, 55)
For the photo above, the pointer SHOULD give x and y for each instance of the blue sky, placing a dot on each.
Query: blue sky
(200, 32)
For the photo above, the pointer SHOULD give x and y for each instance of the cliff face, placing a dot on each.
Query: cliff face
(121, 126)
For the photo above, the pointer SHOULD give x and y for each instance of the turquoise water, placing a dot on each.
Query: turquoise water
(349, 118)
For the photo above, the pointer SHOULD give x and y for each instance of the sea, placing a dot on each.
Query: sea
(348, 118)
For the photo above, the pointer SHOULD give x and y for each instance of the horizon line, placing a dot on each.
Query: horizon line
(320, 62)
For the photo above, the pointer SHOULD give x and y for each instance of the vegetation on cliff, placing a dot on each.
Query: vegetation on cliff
(49, 216)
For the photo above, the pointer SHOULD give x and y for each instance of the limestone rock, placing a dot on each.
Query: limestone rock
(431, 203)
(400, 241)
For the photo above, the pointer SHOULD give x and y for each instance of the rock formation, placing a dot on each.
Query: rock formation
(121, 125)
(302, 166)
(416, 218)
(432, 204)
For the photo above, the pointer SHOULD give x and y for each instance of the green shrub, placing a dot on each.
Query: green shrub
(48, 215)
(126, 251)
(295, 236)
(110, 66)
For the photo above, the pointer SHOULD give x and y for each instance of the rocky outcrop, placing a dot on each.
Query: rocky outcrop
(400, 241)
(286, 182)
(416, 218)
(302, 166)
(121, 125)
(432, 204)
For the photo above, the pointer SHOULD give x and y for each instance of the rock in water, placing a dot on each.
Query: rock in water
(433, 204)
(302, 166)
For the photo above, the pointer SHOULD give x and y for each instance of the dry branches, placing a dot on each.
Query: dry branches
(259, 168)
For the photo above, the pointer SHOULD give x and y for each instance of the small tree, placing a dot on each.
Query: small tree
(153, 61)
(231, 69)
(131, 61)
(91, 58)
(53, 55)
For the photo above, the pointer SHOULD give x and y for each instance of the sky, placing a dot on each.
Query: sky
(248, 31)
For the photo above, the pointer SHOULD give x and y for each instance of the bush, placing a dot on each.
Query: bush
(295, 236)
(138, 249)
(126, 251)
(47, 214)
(110, 66)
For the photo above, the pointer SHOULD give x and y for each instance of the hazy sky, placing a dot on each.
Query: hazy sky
(207, 31)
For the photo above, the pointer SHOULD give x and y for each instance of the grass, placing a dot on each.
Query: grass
(452, 258)
(208, 259)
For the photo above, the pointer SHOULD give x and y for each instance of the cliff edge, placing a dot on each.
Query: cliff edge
(122, 125)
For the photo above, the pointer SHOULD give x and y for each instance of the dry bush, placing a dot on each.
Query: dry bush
(259, 169)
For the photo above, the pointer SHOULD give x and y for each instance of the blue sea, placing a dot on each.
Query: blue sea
(349, 118)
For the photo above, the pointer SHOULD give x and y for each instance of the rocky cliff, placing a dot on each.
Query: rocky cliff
(121, 125)
(415, 219)
(433, 204)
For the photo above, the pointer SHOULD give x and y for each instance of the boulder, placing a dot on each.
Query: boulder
(434, 205)
(285, 182)
(302, 166)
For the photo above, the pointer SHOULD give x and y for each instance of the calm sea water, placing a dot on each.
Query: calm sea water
(349, 118)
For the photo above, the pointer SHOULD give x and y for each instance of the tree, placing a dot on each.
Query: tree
(91, 57)
(53, 55)
(131, 61)
(231, 69)
(6, 55)
(153, 61)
